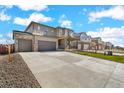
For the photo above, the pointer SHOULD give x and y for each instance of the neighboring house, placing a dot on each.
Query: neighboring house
(66, 37)
(39, 37)
(85, 41)
(99, 44)
(104, 45)
(109, 45)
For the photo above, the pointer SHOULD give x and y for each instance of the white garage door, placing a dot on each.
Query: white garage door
(100, 47)
(86, 46)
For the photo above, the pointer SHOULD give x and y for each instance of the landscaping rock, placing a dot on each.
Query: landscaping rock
(16, 74)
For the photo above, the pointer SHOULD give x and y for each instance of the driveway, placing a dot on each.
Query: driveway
(64, 69)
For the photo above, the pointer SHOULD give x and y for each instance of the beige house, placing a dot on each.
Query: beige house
(108, 45)
(39, 37)
(85, 41)
(99, 44)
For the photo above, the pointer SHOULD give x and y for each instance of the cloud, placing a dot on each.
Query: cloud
(116, 12)
(6, 38)
(9, 35)
(32, 7)
(6, 41)
(37, 17)
(4, 17)
(3, 41)
(114, 35)
(64, 22)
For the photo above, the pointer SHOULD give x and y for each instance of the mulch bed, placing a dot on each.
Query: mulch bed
(16, 74)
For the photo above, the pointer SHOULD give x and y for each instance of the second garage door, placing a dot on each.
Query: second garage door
(46, 46)
(86, 46)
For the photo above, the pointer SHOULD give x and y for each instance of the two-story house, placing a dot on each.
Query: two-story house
(99, 44)
(108, 45)
(39, 37)
(36, 37)
(85, 41)
(66, 37)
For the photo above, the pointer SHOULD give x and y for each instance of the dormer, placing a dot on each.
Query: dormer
(84, 37)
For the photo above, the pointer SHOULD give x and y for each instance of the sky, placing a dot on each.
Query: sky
(105, 21)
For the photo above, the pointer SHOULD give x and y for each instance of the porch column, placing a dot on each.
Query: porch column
(56, 44)
(65, 44)
(77, 44)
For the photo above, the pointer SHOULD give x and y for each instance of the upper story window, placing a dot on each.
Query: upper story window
(45, 32)
(38, 28)
(60, 31)
(63, 32)
(52, 30)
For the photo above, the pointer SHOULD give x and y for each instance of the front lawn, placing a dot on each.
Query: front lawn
(119, 59)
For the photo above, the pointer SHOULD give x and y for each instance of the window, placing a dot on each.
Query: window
(52, 30)
(60, 32)
(38, 27)
(63, 32)
(45, 32)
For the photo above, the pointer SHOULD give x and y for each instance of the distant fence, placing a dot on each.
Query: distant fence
(4, 48)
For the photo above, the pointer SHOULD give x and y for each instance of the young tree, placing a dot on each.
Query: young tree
(9, 43)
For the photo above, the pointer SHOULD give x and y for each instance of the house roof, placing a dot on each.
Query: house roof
(96, 38)
(32, 22)
(85, 34)
(22, 32)
(82, 33)
(65, 28)
(14, 31)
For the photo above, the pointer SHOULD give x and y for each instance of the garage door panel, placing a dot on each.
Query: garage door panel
(24, 45)
(46, 46)
(86, 46)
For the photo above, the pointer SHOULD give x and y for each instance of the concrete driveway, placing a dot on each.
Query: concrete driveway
(64, 69)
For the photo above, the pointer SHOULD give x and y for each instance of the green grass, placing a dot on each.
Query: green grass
(119, 59)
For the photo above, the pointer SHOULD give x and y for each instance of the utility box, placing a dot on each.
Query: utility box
(108, 53)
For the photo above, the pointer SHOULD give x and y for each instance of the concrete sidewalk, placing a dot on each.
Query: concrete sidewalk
(64, 69)
(117, 54)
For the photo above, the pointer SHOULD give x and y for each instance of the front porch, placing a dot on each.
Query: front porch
(68, 43)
